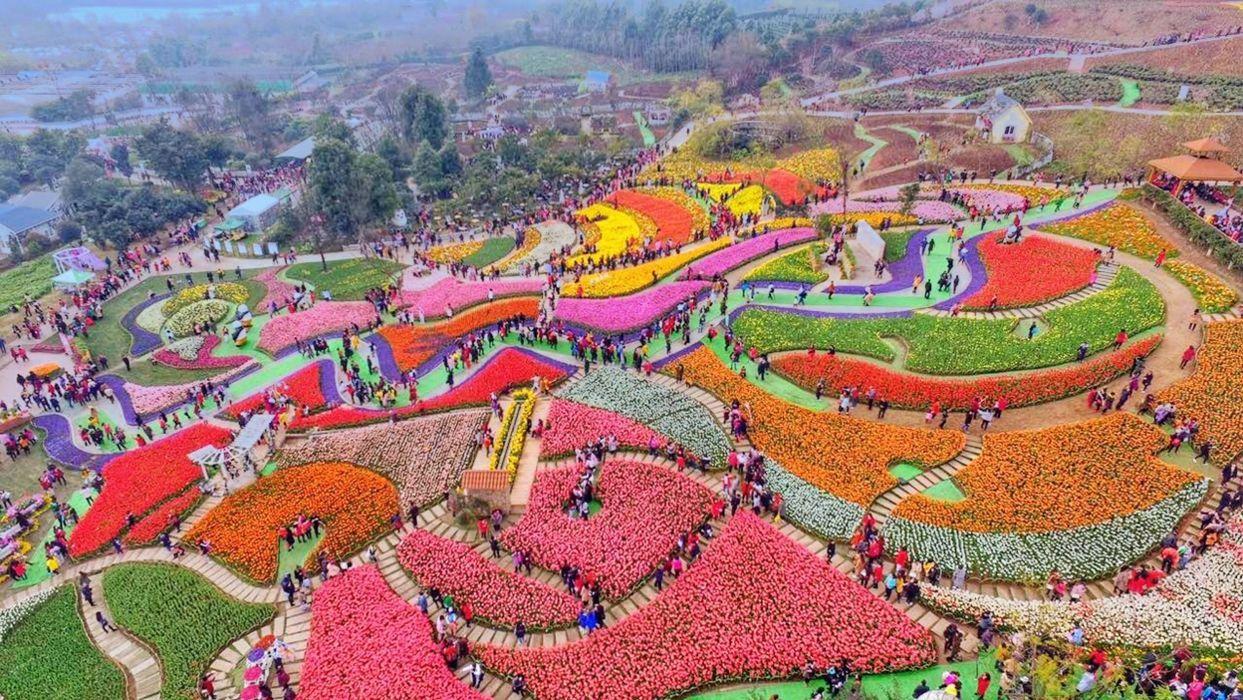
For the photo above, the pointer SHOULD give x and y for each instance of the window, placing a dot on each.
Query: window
(1009, 130)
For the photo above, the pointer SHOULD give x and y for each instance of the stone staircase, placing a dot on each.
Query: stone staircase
(884, 504)
(1105, 276)
(143, 675)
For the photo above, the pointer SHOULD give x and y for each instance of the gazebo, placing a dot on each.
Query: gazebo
(1201, 164)
(233, 459)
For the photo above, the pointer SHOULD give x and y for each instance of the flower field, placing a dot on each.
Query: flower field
(620, 314)
(180, 615)
(1118, 225)
(673, 221)
(423, 456)
(673, 414)
(1040, 490)
(325, 317)
(498, 596)
(148, 530)
(1212, 294)
(1182, 611)
(1210, 394)
(304, 388)
(802, 266)
(736, 255)
(748, 200)
(452, 293)
(413, 345)
(195, 352)
(132, 486)
(628, 280)
(354, 503)
(958, 346)
(623, 543)
(847, 457)
(574, 425)
(368, 642)
(919, 392)
(1031, 272)
(48, 654)
(703, 629)
(454, 252)
(227, 291)
(618, 231)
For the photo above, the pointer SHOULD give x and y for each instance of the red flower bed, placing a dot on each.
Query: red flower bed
(1031, 272)
(138, 480)
(789, 187)
(366, 642)
(497, 595)
(645, 508)
(673, 223)
(756, 606)
(508, 369)
(918, 392)
(414, 345)
(573, 425)
(303, 387)
(203, 360)
(146, 531)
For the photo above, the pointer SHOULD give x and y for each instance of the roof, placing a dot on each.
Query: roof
(598, 76)
(255, 206)
(47, 200)
(997, 104)
(252, 432)
(72, 278)
(300, 150)
(1206, 145)
(485, 480)
(1197, 169)
(21, 219)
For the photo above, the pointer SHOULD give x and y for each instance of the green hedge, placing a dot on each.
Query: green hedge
(33, 277)
(47, 655)
(186, 619)
(1198, 230)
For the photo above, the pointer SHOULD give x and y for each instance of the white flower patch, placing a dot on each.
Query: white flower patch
(10, 616)
(1198, 607)
(1090, 552)
(815, 510)
(683, 419)
(188, 348)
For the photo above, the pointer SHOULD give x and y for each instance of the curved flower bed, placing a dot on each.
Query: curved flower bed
(59, 445)
(414, 345)
(628, 280)
(200, 356)
(1029, 488)
(531, 238)
(748, 200)
(1031, 272)
(497, 596)
(928, 211)
(919, 392)
(454, 252)
(278, 290)
(789, 187)
(512, 434)
(672, 413)
(282, 332)
(1119, 225)
(1212, 294)
(225, 291)
(354, 503)
(1182, 611)
(367, 642)
(553, 236)
(992, 199)
(1211, 393)
(756, 606)
(673, 222)
(147, 530)
(200, 312)
(47, 653)
(453, 293)
(875, 219)
(624, 542)
(700, 220)
(617, 231)
(627, 313)
(131, 485)
(959, 346)
(845, 456)
(138, 400)
(801, 266)
(745, 251)
(574, 425)
(423, 456)
(144, 340)
(305, 388)
(509, 368)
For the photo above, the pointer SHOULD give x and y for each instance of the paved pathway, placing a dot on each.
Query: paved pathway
(143, 675)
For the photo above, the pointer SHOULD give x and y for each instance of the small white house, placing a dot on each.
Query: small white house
(18, 223)
(257, 213)
(1002, 120)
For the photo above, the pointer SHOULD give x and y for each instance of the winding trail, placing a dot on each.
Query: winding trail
(143, 673)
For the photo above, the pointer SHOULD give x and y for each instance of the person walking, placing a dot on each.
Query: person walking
(104, 623)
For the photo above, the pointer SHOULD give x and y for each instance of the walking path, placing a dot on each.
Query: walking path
(1105, 275)
(143, 674)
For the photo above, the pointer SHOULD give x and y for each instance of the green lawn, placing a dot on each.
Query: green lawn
(493, 249)
(949, 346)
(1130, 93)
(896, 242)
(48, 655)
(347, 280)
(179, 614)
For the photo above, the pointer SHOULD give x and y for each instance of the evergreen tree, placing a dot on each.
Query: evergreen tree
(478, 76)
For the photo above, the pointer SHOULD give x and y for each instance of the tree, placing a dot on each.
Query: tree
(377, 187)
(328, 127)
(907, 196)
(874, 59)
(175, 155)
(478, 76)
(423, 118)
(120, 156)
(251, 112)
